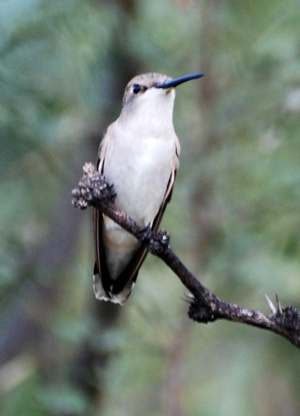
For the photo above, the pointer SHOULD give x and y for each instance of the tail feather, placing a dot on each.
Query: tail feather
(108, 295)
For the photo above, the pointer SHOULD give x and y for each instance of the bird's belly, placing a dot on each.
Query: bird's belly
(120, 247)
(140, 177)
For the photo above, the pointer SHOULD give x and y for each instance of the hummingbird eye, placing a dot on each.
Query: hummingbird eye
(136, 88)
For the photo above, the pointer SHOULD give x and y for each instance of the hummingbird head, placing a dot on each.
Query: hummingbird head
(152, 94)
(141, 85)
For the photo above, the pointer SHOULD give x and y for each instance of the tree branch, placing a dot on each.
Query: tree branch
(205, 307)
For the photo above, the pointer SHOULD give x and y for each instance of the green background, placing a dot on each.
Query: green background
(234, 216)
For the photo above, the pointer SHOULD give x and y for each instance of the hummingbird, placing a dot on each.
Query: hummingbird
(139, 155)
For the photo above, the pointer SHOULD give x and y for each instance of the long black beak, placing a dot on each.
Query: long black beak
(176, 81)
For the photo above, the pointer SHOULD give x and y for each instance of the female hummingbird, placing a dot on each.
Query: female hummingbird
(139, 155)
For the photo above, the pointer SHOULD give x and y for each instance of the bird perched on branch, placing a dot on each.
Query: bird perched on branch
(139, 155)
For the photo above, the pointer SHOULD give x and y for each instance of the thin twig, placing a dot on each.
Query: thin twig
(205, 307)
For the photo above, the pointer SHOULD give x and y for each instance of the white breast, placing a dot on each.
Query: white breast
(139, 168)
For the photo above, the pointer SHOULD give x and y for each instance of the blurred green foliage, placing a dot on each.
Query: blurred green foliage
(233, 217)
